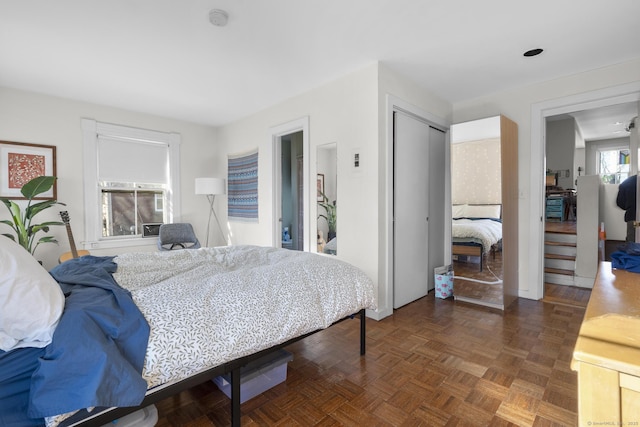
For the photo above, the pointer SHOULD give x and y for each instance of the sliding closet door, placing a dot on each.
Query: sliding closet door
(410, 209)
(437, 172)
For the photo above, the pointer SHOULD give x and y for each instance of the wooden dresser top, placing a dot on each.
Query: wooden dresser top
(610, 332)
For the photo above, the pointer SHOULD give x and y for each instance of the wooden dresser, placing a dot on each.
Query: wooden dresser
(607, 352)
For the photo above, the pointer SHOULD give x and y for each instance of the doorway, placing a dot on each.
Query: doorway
(539, 113)
(292, 190)
(290, 173)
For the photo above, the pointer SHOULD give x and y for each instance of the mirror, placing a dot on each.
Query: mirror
(477, 212)
(326, 198)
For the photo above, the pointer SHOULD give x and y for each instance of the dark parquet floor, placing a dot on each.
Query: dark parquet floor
(433, 363)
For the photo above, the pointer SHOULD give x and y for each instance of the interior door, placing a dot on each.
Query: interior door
(410, 209)
(296, 129)
(292, 191)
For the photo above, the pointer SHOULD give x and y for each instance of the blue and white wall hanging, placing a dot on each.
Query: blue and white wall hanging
(242, 197)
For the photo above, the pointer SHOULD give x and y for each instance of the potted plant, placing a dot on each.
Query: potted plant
(21, 222)
(330, 215)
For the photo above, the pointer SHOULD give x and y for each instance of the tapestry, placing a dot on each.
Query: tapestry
(242, 187)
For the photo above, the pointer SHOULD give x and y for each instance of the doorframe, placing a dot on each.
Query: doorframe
(539, 112)
(276, 133)
(393, 104)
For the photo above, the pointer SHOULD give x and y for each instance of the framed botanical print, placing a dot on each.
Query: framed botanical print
(20, 162)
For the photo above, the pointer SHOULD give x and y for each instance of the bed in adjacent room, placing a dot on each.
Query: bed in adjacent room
(476, 230)
(195, 313)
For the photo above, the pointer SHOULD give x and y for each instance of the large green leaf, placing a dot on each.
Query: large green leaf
(9, 223)
(36, 208)
(43, 227)
(37, 186)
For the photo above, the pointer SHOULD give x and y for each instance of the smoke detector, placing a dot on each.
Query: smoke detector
(218, 17)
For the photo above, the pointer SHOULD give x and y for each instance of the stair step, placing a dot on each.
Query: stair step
(570, 251)
(559, 271)
(552, 243)
(560, 238)
(558, 256)
(561, 231)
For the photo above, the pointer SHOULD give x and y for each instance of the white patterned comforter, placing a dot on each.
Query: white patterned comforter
(487, 231)
(212, 305)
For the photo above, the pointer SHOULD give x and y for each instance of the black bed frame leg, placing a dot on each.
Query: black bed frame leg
(235, 397)
(363, 329)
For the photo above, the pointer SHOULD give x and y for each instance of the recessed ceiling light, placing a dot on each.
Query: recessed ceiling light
(533, 52)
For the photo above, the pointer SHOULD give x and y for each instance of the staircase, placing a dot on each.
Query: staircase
(560, 256)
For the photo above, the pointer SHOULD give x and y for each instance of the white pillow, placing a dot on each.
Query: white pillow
(483, 211)
(31, 302)
(459, 211)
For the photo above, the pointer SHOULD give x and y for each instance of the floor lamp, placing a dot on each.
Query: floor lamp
(211, 187)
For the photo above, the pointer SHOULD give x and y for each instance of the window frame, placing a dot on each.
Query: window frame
(600, 153)
(91, 130)
(133, 189)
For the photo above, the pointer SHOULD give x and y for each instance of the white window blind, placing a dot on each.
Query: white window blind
(132, 161)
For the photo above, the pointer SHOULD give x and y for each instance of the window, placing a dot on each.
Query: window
(131, 178)
(613, 166)
(126, 207)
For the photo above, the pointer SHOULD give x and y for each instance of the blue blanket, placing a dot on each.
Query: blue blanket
(95, 357)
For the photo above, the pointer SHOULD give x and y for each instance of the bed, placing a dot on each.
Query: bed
(169, 321)
(476, 230)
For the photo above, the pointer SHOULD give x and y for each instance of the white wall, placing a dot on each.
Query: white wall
(587, 230)
(42, 119)
(517, 104)
(579, 159)
(611, 214)
(560, 148)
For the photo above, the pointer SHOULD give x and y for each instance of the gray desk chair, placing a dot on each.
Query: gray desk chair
(177, 236)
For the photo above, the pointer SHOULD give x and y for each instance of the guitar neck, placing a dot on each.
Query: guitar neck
(72, 243)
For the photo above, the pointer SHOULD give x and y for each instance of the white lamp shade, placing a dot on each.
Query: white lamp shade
(210, 186)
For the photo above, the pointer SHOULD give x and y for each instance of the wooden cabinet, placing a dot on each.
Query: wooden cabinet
(607, 352)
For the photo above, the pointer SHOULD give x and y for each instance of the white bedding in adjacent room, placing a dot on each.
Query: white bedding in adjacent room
(485, 230)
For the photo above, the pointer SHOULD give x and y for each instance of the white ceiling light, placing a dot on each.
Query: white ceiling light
(218, 17)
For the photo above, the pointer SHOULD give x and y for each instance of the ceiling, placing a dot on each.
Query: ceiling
(606, 122)
(164, 57)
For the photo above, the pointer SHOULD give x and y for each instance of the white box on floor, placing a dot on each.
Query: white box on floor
(145, 417)
(258, 376)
